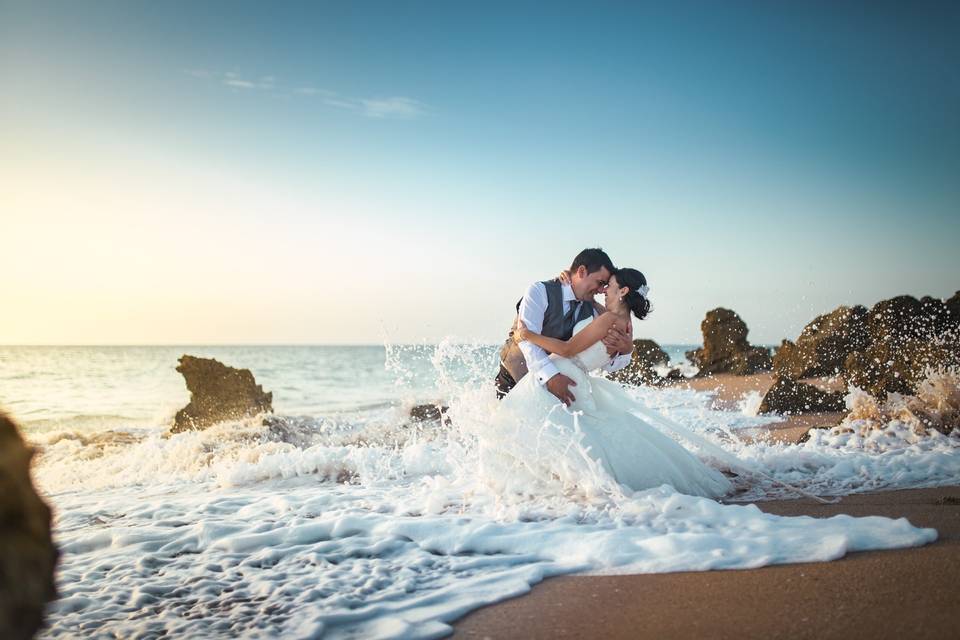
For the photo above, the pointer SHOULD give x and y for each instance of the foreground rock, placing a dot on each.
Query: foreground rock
(725, 346)
(218, 393)
(27, 554)
(792, 398)
(647, 356)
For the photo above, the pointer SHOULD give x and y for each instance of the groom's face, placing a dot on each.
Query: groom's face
(587, 285)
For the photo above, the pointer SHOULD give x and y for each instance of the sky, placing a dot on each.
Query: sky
(360, 172)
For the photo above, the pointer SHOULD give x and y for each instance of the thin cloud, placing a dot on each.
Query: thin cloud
(240, 84)
(393, 107)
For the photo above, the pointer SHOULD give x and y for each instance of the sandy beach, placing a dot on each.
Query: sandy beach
(878, 594)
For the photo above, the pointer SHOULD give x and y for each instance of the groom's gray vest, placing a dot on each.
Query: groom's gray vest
(557, 323)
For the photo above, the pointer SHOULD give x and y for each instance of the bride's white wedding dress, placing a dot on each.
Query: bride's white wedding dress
(597, 436)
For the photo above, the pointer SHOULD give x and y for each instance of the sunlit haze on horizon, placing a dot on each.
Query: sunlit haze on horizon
(361, 172)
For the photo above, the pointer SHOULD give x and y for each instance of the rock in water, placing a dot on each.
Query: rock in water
(647, 355)
(823, 345)
(218, 393)
(434, 412)
(27, 554)
(725, 347)
(792, 397)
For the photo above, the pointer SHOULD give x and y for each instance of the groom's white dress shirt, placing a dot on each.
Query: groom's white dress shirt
(532, 307)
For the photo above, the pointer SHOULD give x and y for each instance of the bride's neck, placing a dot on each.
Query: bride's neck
(622, 312)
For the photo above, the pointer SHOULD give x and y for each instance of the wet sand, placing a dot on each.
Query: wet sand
(908, 593)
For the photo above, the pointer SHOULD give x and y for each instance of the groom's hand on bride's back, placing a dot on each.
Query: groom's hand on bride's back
(559, 385)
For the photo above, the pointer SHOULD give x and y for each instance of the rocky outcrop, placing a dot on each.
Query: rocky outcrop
(27, 553)
(907, 338)
(647, 356)
(889, 349)
(953, 307)
(823, 345)
(725, 346)
(792, 397)
(218, 393)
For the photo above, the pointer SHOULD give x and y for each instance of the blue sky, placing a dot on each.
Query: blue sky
(352, 172)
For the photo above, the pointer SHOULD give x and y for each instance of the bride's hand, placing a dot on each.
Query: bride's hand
(564, 277)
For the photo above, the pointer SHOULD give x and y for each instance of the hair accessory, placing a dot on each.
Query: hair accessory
(644, 290)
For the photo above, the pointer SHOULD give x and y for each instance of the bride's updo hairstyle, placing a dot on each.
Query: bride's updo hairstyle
(635, 301)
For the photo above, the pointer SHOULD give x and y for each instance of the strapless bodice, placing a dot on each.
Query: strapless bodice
(594, 356)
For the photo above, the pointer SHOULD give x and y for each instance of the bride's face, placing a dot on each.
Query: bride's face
(611, 298)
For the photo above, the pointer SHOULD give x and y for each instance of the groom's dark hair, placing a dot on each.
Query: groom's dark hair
(592, 259)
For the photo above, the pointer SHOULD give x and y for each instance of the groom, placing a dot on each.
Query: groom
(552, 309)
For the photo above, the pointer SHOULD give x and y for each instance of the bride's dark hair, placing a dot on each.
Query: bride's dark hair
(635, 301)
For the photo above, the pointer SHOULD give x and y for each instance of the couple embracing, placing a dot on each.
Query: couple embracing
(570, 422)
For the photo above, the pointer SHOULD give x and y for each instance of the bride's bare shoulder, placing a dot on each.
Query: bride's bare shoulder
(607, 318)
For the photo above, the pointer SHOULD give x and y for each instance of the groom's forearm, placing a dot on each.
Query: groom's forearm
(539, 363)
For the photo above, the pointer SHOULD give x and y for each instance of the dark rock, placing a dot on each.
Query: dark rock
(674, 374)
(647, 355)
(908, 337)
(27, 553)
(898, 366)
(725, 347)
(218, 393)
(823, 345)
(792, 397)
(429, 413)
(953, 308)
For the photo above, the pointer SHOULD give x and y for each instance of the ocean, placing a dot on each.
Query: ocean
(355, 522)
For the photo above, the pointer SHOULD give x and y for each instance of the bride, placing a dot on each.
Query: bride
(599, 433)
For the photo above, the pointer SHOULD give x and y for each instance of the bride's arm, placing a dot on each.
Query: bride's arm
(594, 332)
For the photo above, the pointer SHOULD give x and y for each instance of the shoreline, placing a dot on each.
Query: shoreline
(880, 594)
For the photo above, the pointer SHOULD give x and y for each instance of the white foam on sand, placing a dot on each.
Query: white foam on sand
(241, 530)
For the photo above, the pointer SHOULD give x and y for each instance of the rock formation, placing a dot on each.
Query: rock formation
(27, 554)
(647, 355)
(823, 345)
(908, 337)
(888, 349)
(725, 347)
(792, 397)
(218, 393)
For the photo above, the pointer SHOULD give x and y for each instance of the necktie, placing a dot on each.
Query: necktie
(570, 319)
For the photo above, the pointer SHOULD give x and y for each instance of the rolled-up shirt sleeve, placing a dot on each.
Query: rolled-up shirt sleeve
(532, 308)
